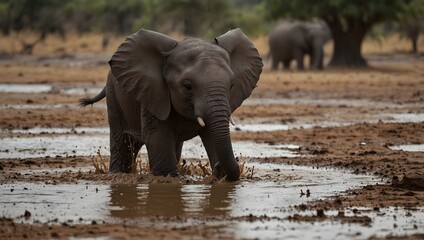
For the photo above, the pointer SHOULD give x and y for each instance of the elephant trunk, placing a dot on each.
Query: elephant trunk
(318, 56)
(217, 124)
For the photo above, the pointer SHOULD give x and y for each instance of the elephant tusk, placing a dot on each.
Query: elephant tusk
(232, 121)
(200, 121)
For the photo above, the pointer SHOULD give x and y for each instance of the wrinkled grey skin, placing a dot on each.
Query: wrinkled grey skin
(295, 39)
(158, 87)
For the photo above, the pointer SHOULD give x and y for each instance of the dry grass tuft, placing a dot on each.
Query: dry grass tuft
(99, 163)
(193, 167)
(245, 172)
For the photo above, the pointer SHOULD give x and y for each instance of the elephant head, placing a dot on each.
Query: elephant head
(203, 82)
(317, 35)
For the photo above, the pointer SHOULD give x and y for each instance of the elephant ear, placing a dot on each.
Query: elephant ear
(138, 64)
(246, 64)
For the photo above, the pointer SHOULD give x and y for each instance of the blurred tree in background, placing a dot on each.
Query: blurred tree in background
(348, 20)
(190, 17)
(411, 27)
(36, 15)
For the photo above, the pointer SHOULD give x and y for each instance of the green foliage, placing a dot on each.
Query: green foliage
(191, 17)
(345, 12)
(194, 17)
(37, 15)
(249, 16)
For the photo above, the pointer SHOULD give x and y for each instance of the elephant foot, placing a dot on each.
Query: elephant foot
(165, 173)
(218, 171)
(119, 167)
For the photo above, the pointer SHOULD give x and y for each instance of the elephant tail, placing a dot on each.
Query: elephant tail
(87, 101)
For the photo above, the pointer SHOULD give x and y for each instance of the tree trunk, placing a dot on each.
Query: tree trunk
(347, 44)
(414, 41)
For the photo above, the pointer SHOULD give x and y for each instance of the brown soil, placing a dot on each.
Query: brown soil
(361, 148)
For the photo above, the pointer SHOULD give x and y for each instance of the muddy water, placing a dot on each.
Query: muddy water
(43, 130)
(25, 88)
(326, 102)
(85, 141)
(87, 145)
(409, 148)
(221, 206)
(47, 106)
(92, 201)
(220, 203)
(406, 222)
(404, 117)
(46, 88)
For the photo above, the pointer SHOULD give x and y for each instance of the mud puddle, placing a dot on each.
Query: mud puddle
(226, 207)
(87, 145)
(404, 117)
(25, 88)
(296, 101)
(386, 222)
(258, 125)
(48, 106)
(44, 130)
(46, 88)
(371, 118)
(88, 201)
(326, 102)
(409, 148)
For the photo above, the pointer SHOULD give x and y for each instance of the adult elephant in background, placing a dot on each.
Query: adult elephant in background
(294, 39)
(161, 92)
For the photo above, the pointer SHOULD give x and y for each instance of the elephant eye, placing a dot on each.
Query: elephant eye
(232, 85)
(187, 86)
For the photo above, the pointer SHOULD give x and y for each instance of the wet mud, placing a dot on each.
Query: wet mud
(332, 155)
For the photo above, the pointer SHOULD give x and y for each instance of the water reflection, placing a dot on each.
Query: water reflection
(159, 199)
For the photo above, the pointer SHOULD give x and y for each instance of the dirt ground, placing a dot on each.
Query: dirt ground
(394, 84)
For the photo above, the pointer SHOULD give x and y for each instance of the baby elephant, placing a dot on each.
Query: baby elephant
(161, 92)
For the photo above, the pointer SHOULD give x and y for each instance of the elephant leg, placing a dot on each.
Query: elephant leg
(123, 148)
(286, 64)
(275, 62)
(320, 63)
(123, 152)
(179, 149)
(298, 55)
(213, 159)
(162, 150)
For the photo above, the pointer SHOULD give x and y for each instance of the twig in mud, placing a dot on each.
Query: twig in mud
(204, 169)
(252, 171)
(133, 157)
(246, 171)
(100, 164)
(241, 167)
(103, 162)
(190, 168)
